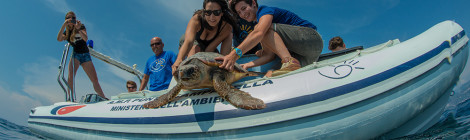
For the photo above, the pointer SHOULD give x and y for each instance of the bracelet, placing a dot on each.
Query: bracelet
(239, 52)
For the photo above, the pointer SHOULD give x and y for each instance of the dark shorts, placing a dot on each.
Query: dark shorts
(303, 43)
(82, 57)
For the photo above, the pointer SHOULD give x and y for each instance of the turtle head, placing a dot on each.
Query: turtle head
(189, 73)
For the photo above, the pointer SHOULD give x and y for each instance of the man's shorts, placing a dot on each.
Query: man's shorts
(303, 43)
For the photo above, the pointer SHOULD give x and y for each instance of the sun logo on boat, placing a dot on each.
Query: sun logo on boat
(342, 70)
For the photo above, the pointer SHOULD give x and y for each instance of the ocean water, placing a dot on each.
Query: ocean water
(9, 130)
(454, 122)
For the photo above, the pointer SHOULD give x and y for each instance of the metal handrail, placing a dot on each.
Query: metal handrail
(63, 64)
(120, 65)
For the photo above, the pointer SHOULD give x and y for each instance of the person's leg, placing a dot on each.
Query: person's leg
(89, 69)
(74, 64)
(274, 42)
(304, 44)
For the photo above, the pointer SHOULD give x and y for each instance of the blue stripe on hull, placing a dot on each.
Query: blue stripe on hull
(310, 121)
(458, 36)
(274, 106)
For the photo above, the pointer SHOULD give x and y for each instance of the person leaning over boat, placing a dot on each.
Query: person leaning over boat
(336, 44)
(240, 32)
(158, 67)
(75, 33)
(208, 28)
(283, 32)
(131, 86)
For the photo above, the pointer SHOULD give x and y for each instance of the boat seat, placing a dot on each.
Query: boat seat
(92, 98)
(338, 53)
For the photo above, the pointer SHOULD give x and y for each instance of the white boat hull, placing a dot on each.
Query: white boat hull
(358, 96)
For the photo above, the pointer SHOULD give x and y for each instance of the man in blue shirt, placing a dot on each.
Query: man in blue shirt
(158, 67)
(290, 37)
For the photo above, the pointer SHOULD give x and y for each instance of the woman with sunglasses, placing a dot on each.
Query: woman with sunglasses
(75, 33)
(208, 28)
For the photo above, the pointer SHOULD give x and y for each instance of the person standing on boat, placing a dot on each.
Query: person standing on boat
(75, 33)
(336, 44)
(280, 31)
(131, 86)
(158, 67)
(208, 28)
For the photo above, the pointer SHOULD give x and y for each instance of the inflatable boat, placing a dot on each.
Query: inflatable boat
(387, 91)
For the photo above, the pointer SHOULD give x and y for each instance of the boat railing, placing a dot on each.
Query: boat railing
(330, 55)
(61, 78)
(63, 63)
(117, 64)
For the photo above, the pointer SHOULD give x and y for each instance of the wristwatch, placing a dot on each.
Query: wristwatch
(239, 52)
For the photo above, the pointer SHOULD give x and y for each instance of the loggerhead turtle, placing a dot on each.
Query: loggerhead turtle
(202, 71)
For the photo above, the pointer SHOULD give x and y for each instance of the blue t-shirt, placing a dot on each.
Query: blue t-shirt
(240, 33)
(283, 16)
(159, 70)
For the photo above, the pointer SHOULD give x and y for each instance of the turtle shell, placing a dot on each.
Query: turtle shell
(202, 71)
(208, 58)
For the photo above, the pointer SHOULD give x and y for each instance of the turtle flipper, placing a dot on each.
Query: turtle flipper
(165, 98)
(236, 97)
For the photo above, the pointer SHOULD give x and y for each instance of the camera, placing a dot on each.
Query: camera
(73, 21)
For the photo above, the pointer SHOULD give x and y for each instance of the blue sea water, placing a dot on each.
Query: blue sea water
(454, 122)
(9, 130)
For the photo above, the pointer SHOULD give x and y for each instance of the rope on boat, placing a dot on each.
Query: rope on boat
(332, 61)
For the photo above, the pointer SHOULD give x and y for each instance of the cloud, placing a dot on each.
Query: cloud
(124, 75)
(58, 6)
(17, 105)
(40, 87)
(40, 80)
(114, 45)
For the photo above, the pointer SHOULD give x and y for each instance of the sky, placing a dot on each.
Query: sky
(122, 29)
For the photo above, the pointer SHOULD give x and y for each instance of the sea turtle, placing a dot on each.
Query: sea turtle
(202, 71)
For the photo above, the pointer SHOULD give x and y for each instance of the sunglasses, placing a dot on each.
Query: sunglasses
(210, 12)
(131, 87)
(71, 17)
(158, 43)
